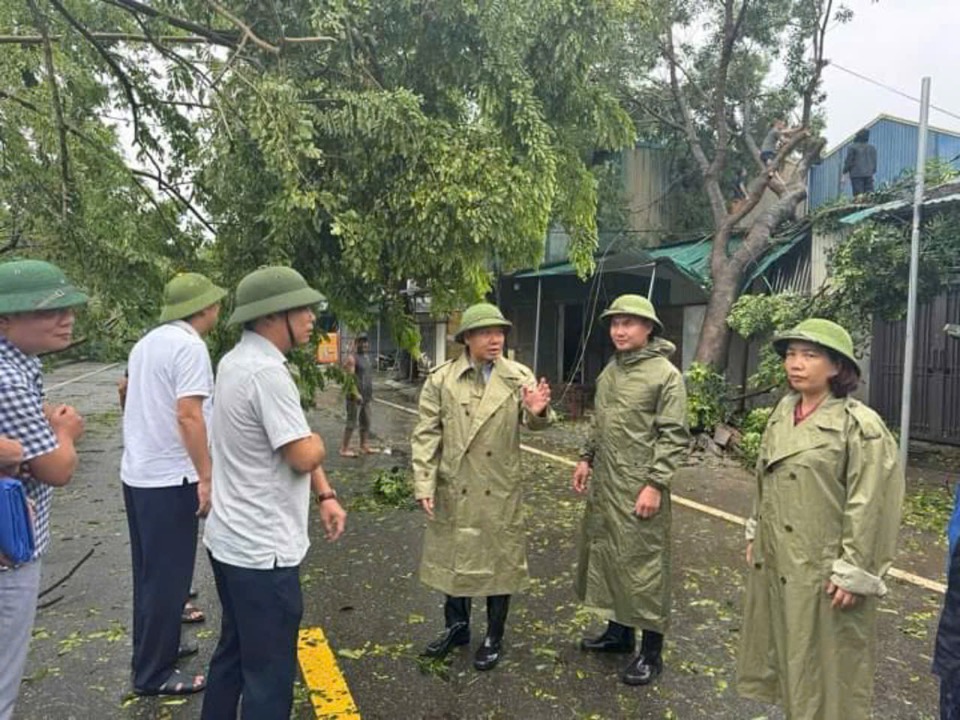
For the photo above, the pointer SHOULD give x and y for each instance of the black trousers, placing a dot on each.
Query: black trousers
(255, 662)
(163, 546)
(861, 185)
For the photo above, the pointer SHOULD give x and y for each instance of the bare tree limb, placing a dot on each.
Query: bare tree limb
(108, 37)
(174, 192)
(731, 31)
(74, 569)
(818, 64)
(217, 37)
(247, 31)
(16, 235)
(64, 155)
(689, 124)
(230, 61)
(747, 135)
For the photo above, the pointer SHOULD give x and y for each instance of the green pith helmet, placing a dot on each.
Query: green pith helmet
(818, 331)
(269, 290)
(636, 305)
(479, 316)
(187, 294)
(30, 285)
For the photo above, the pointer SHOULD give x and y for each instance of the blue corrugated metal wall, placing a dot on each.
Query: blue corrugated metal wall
(896, 144)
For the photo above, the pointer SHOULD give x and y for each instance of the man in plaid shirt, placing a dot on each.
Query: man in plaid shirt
(36, 316)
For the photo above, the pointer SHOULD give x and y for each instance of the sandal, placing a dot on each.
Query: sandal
(176, 684)
(348, 454)
(192, 614)
(187, 649)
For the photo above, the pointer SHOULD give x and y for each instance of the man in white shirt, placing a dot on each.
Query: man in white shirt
(166, 476)
(265, 461)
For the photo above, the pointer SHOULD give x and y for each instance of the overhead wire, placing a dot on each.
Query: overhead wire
(892, 89)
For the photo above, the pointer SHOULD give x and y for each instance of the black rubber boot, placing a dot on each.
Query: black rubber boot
(490, 650)
(456, 612)
(616, 638)
(648, 665)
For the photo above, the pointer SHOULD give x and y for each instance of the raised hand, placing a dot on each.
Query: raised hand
(537, 398)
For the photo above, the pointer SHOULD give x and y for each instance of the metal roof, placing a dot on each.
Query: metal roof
(891, 207)
(896, 144)
(690, 259)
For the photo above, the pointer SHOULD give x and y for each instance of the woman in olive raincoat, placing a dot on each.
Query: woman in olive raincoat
(638, 438)
(466, 463)
(821, 537)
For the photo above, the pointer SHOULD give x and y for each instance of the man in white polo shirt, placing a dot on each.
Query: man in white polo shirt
(265, 461)
(166, 476)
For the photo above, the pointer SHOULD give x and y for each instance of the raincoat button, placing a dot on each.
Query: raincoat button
(486, 492)
(489, 453)
(467, 411)
(788, 528)
(464, 491)
(783, 580)
(793, 476)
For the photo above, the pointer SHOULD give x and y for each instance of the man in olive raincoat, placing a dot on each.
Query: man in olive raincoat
(638, 438)
(466, 462)
(821, 537)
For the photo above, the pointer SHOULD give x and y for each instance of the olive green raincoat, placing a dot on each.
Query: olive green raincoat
(466, 456)
(829, 495)
(639, 437)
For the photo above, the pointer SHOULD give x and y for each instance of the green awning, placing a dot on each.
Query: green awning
(690, 259)
(781, 248)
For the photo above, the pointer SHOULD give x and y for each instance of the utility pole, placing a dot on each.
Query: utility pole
(910, 341)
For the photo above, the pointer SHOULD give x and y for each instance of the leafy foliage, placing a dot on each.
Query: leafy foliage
(706, 397)
(393, 487)
(751, 429)
(369, 144)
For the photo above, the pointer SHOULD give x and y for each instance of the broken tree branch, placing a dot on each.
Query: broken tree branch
(177, 195)
(69, 575)
(247, 31)
(107, 37)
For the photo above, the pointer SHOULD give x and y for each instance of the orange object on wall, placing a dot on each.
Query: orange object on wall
(328, 348)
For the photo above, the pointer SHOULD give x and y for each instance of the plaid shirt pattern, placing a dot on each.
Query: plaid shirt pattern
(22, 419)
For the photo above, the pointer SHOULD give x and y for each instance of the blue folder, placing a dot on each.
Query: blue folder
(16, 530)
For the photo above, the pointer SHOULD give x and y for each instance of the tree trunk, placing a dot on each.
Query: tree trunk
(715, 334)
(728, 274)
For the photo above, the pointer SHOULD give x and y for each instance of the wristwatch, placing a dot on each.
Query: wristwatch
(324, 496)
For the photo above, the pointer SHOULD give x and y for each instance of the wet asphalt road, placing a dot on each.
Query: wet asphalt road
(363, 591)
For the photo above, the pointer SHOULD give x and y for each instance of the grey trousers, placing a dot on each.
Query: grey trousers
(18, 607)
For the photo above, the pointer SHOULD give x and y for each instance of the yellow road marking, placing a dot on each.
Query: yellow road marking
(903, 575)
(329, 694)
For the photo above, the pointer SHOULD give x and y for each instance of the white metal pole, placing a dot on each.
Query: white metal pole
(909, 342)
(536, 332)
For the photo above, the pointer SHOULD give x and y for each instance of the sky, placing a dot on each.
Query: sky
(895, 42)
